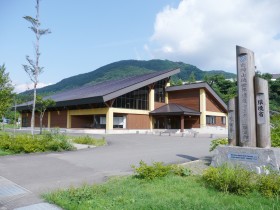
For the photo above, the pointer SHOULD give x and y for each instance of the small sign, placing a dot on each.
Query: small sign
(243, 157)
(260, 108)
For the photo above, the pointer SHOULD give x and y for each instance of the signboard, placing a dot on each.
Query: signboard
(243, 157)
(260, 108)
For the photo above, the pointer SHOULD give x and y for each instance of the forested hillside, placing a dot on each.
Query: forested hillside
(127, 68)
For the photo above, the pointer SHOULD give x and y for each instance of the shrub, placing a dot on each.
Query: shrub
(230, 179)
(269, 185)
(217, 142)
(180, 170)
(240, 181)
(158, 170)
(275, 131)
(26, 143)
(89, 140)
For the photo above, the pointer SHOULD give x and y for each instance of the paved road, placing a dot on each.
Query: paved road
(40, 173)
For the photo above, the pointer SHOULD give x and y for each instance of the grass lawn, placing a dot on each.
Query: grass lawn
(88, 140)
(2, 152)
(172, 192)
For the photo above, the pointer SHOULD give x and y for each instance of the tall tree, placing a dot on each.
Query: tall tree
(6, 91)
(41, 107)
(191, 78)
(33, 69)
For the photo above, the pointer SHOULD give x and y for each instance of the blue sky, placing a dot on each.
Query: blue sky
(88, 34)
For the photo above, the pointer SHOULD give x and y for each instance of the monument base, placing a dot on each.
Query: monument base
(259, 160)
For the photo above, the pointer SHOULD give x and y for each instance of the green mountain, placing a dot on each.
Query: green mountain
(126, 68)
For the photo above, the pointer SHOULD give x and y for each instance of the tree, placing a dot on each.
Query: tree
(179, 82)
(41, 107)
(226, 89)
(6, 91)
(33, 69)
(191, 78)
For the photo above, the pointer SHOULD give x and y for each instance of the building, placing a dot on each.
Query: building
(275, 77)
(139, 102)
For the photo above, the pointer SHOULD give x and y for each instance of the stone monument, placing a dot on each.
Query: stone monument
(248, 122)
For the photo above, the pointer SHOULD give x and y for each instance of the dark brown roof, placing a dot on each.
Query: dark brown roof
(199, 85)
(105, 91)
(174, 109)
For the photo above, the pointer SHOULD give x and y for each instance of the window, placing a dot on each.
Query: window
(137, 99)
(211, 120)
(224, 120)
(160, 91)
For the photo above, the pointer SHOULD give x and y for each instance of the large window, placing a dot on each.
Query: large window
(160, 91)
(211, 120)
(137, 99)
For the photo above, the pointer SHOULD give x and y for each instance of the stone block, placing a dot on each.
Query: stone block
(254, 159)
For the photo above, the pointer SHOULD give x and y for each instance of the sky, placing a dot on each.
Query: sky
(88, 34)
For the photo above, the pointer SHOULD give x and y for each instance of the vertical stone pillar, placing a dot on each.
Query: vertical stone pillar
(262, 113)
(202, 109)
(246, 99)
(232, 122)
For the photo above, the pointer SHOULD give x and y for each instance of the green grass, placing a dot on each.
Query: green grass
(3, 152)
(89, 140)
(171, 192)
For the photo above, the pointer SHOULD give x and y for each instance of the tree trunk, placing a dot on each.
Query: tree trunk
(41, 123)
(33, 110)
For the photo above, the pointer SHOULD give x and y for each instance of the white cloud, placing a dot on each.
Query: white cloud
(205, 33)
(23, 87)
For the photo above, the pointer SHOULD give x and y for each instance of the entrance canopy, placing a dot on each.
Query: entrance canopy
(174, 110)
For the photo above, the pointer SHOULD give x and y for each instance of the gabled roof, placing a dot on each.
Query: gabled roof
(198, 85)
(105, 91)
(174, 109)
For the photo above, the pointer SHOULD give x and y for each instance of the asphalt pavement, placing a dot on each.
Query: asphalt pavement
(36, 174)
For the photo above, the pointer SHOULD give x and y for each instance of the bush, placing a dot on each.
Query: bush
(240, 181)
(158, 170)
(26, 143)
(230, 179)
(275, 131)
(89, 140)
(217, 142)
(180, 170)
(269, 185)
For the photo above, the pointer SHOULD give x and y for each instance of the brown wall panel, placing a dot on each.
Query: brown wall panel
(159, 104)
(45, 120)
(193, 122)
(137, 121)
(219, 122)
(187, 98)
(212, 105)
(59, 119)
(26, 119)
(84, 121)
